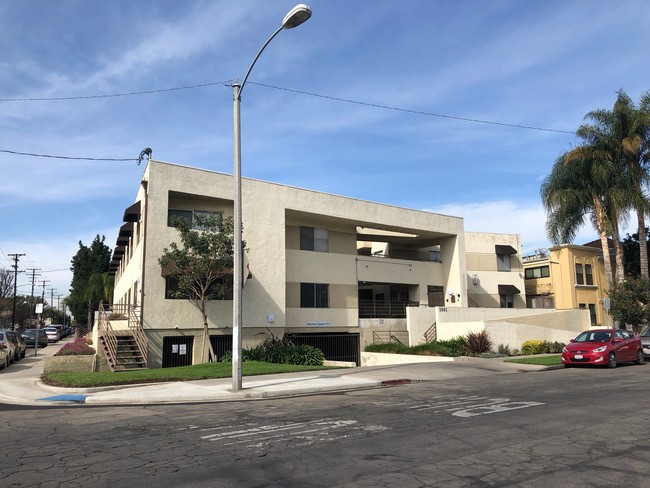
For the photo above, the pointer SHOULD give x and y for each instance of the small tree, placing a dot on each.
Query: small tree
(630, 302)
(203, 264)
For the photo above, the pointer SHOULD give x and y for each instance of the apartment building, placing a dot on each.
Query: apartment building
(567, 277)
(319, 267)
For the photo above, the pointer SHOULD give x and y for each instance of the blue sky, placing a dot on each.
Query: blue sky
(539, 64)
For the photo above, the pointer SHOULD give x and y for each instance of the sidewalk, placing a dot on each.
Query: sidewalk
(20, 383)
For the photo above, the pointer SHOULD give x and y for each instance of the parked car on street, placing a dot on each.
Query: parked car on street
(6, 347)
(4, 358)
(53, 334)
(605, 347)
(7, 344)
(645, 340)
(30, 337)
(19, 344)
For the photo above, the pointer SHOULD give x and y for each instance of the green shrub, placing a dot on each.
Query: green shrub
(503, 350)
(478, 343)
(534, 347)
(556, 347)
(430, 349)
(389, 347)
(456, 346)
(280, 351)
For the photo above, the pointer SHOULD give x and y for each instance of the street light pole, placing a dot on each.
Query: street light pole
(296, 16)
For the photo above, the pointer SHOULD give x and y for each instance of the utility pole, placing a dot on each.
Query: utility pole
(40, 315)
(52, 301)
(31, 300)
(15, 267)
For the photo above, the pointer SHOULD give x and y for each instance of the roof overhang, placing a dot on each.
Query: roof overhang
(132, 214)
(502, 249)
(508, 290)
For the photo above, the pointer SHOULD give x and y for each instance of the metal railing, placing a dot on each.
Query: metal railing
(129, 313)
(106, 332)
(383, 309)
(431, 334)
(388, 336)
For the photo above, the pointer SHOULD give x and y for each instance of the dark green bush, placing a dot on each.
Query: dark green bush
(456, 346)
(430, 349)
(281, 351)
(555, 347)
(478, 343)
(390, 347)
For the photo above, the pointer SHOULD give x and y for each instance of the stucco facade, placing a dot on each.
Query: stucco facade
(568, 277)
(366, 263)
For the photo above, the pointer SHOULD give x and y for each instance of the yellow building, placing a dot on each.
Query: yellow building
(567, 277)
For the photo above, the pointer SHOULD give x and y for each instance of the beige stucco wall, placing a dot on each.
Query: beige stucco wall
(482, 262)
(272, 215)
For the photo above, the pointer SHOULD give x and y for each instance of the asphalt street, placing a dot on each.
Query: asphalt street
(576, 427)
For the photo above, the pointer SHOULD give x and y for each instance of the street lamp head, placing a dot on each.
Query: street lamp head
(296, 16)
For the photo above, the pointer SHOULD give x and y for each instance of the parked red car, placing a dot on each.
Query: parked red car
(606, 347)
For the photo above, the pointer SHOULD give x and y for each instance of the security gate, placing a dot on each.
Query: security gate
(221, 345)
(177, 351)
(335, 346)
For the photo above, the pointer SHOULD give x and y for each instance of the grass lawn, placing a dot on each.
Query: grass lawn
(550, 360)
(185, 373)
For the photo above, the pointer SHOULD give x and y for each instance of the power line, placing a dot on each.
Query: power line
(406, 110)
(113, 95)
(146, 152)
(300, 92)
(65, 157)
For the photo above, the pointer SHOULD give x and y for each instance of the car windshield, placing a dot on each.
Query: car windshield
(593, 336)
(646, 333)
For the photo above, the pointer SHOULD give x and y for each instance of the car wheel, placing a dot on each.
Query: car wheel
(640, 358)
(612, 360)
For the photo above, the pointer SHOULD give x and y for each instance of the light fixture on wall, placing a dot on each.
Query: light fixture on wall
(475, 279)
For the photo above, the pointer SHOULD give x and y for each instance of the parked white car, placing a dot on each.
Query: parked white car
(53, 334)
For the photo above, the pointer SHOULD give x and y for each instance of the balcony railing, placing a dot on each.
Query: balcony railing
(384, 309)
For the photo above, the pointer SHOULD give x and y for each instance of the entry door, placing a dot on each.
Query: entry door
(177, 351)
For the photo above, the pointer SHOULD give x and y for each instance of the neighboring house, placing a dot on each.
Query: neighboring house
(567, 277)
(327, 270)
(494, 270)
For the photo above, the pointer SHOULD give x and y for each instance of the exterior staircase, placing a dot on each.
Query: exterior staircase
(122, 338)
(127, 354)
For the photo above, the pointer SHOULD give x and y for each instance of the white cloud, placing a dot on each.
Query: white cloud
(509, 217)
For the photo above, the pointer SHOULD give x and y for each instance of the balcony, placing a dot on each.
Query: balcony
(384, 309)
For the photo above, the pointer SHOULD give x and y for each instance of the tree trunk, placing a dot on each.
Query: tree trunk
(206, 335)
(643, 243)
(602, 233)
(618, 248)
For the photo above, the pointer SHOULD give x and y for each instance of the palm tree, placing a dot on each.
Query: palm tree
(580, 186)
(622, 136)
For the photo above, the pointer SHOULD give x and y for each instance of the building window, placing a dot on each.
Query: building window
(314, 239)
(507, 301)
(580, 278)
(190, 216)
(222, 289)
(503, 262)
(538, 272)
(589, 277)
(314, 295)
(592, 313)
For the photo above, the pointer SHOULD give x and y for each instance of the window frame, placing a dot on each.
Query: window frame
(504, 263)
(314, 295)
(314, 239)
